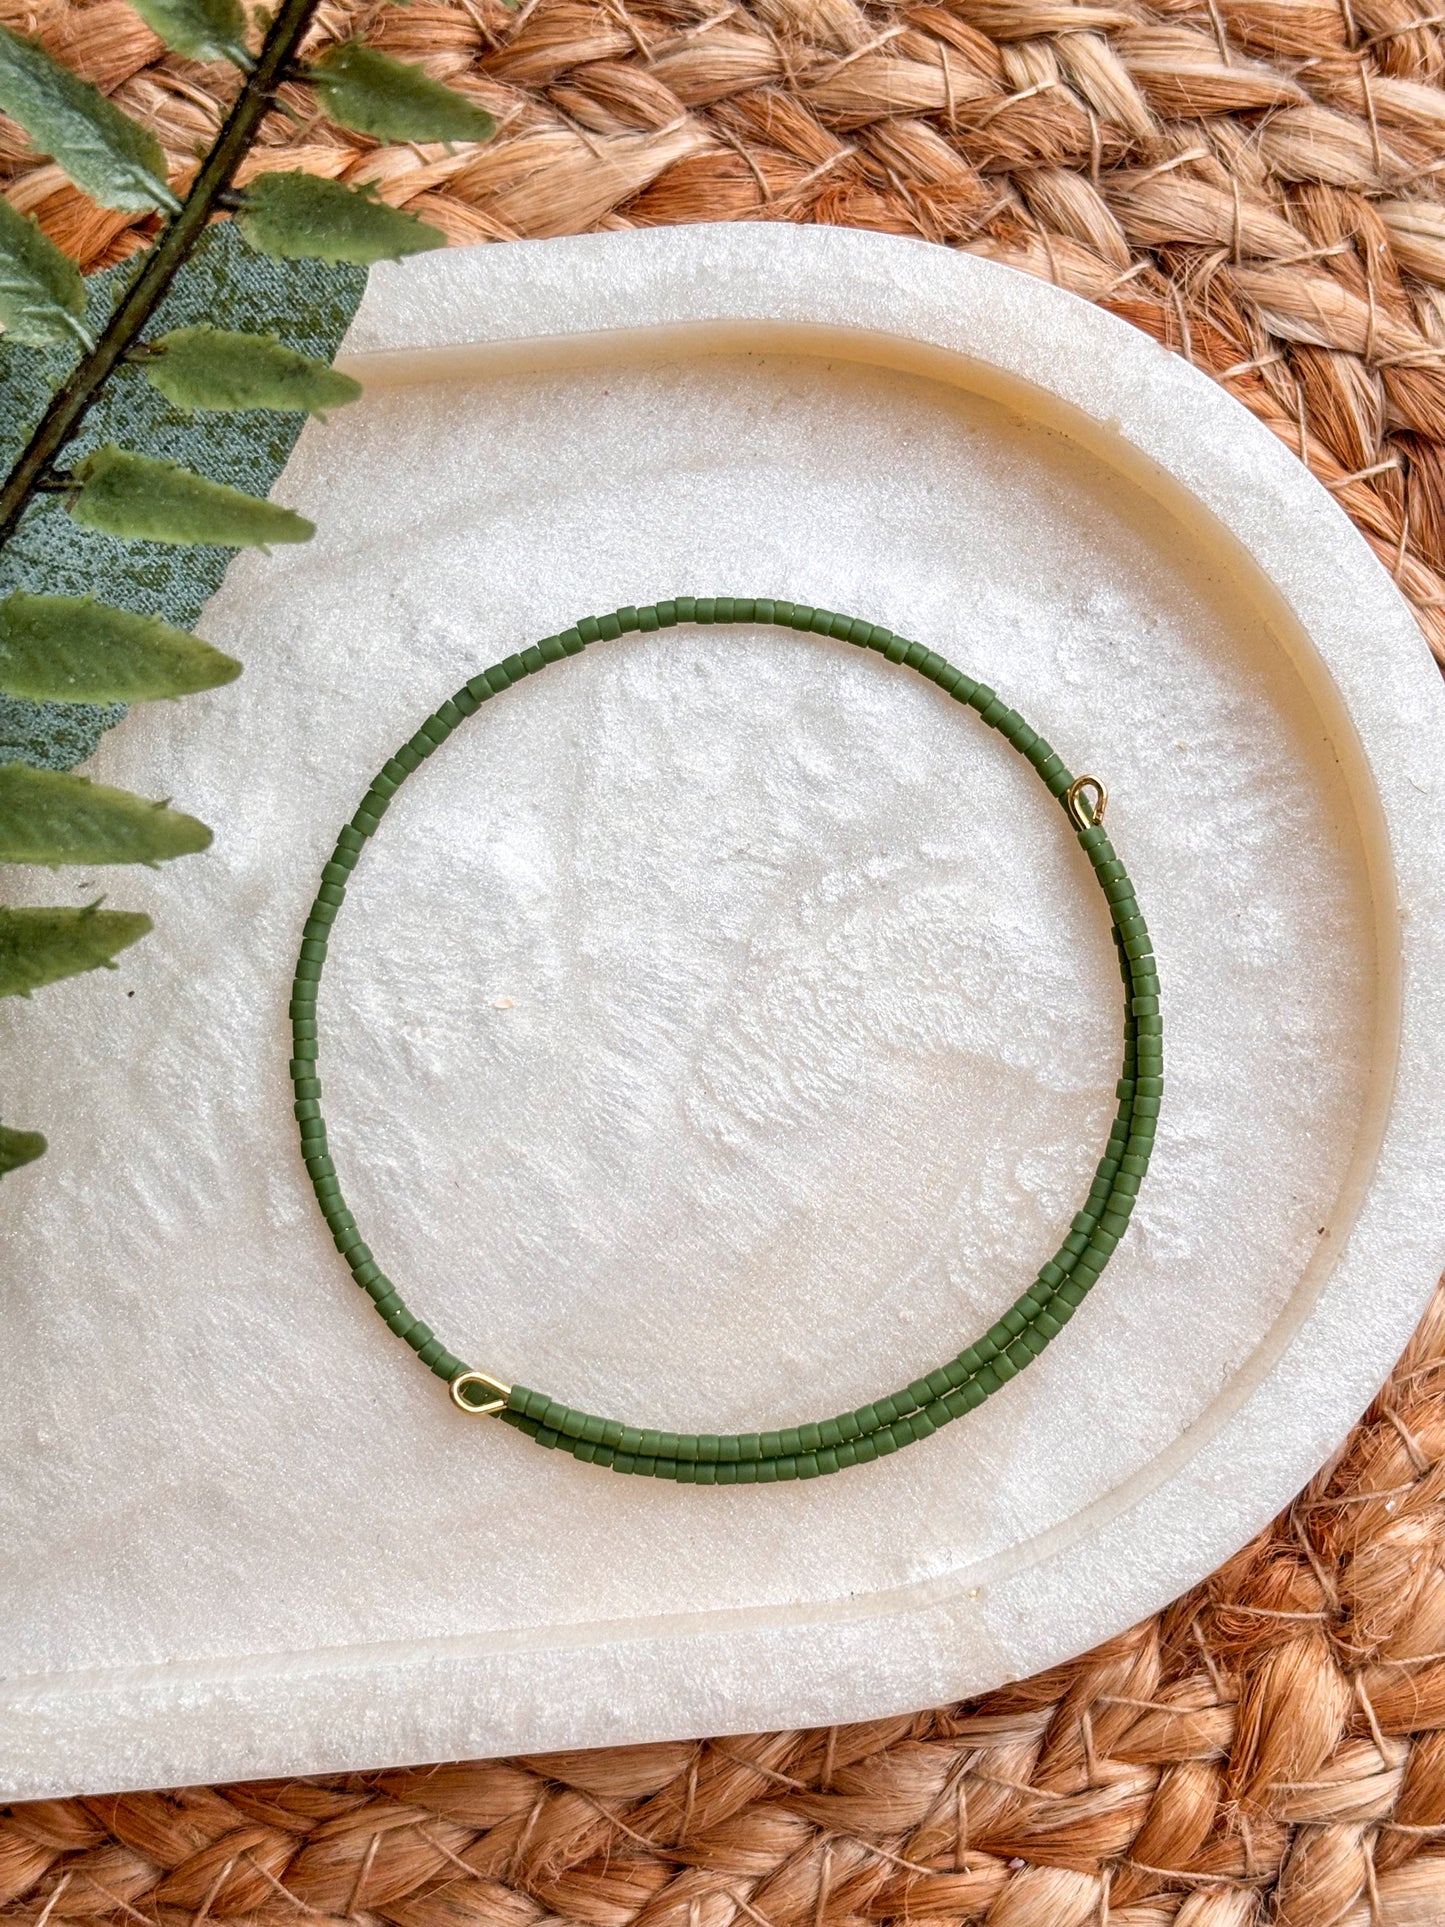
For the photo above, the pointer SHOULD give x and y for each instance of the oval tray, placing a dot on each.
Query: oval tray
(730, 1028)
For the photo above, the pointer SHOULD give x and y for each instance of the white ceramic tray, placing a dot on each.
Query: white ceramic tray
(729, 1028)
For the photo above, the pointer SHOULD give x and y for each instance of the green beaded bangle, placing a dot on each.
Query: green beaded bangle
(920, 1408)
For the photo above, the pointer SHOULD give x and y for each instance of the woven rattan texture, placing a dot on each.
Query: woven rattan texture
(1257, 183)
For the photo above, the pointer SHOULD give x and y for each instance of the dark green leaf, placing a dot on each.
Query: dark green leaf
(199, 29)
(19, 1147)
(42, 296)
(297, 215)
(210, 368)
(50, 816)
(107, 155)
(374, 94)
(58, 648)
(154, 501)
(42, 946)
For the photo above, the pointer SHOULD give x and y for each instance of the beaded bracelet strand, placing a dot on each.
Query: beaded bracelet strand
(965, 1381)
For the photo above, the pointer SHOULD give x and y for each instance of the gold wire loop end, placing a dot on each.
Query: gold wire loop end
(496, 1392)
(1084, 814)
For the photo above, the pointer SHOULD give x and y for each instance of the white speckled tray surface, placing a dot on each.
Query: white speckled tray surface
(720, 1030)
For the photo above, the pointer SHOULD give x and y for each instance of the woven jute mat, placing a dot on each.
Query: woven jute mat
(1256, 183)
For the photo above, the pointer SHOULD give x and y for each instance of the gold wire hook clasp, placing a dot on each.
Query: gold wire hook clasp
(1077, 808)
(495, 1401)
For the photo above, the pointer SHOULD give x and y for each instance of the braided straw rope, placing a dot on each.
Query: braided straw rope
(1257, 183)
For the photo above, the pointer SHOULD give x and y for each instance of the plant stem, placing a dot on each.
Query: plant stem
(72, 401)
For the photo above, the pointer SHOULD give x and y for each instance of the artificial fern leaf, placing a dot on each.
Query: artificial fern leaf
(199, 29)
(308, 304)
(301, 215)
(41, 946)
(19, 1147)
(42, 296)
(212, 368)
(50, 816)
(107, 155)
(374, 94)
(149, 500)
(58, 648)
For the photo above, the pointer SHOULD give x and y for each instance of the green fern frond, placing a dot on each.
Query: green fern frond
(42, 297)
(39, 947)
(109, 156)
(145, 499)
(371, 93)
(308, 304)
(299, 215)
(199, 29)
(73, 649)
(18, 1148)
(64, 654)
(51, 817)
(213, 368)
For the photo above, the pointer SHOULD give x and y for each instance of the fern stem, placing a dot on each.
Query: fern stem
(72, 401)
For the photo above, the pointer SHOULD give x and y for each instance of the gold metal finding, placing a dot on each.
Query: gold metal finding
(1076, 807)
(496, 1402)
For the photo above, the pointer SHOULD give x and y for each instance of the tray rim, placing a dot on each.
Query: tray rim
(957, 317)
